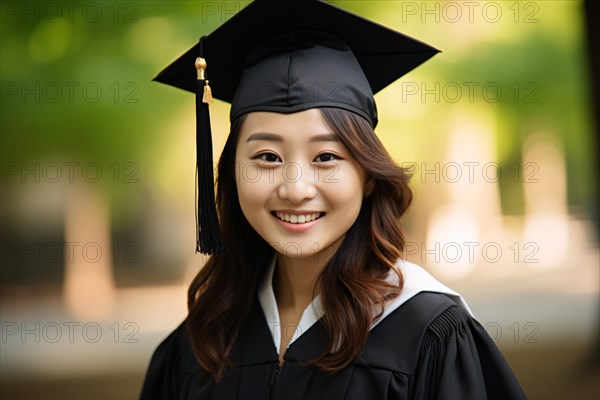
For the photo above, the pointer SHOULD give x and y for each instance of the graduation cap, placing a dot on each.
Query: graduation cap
(285, 56)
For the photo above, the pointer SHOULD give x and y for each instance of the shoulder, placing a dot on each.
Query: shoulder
(458, 359)
(396, 342)
(419, 311)
(171, 362)
(443, 350)
(175, 345)
(433, 337)
(417, 280)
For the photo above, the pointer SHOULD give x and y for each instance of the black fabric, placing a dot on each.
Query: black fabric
(428, 348)
(302, 70)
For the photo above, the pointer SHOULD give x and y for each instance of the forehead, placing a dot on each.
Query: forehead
(295, 126)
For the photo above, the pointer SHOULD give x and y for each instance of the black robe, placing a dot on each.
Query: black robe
(428, 348)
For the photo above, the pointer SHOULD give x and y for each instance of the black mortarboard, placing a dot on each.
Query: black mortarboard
(286, 56)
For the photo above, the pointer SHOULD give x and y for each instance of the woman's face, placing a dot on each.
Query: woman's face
(298, 186)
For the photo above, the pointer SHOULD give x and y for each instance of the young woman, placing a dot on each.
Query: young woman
(310, 297)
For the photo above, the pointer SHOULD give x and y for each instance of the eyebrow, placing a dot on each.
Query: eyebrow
(265, 136)
(326, 137)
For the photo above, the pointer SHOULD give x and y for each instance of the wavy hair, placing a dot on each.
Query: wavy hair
(353, 286)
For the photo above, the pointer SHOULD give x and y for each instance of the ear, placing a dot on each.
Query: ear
(369, 186)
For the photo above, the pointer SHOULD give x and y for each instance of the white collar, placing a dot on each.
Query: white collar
(267, 300)
(416, 280)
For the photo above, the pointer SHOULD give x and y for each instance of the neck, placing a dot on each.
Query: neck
(295, 279)
(295, 282)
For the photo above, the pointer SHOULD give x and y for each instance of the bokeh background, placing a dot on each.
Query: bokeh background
(97, 182)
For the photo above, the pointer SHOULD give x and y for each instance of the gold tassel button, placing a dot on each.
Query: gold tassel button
(201, 67)
(207, 95)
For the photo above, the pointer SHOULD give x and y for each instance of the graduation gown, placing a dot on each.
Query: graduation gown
(427, 345)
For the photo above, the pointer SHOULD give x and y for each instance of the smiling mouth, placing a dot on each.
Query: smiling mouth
(297, 219)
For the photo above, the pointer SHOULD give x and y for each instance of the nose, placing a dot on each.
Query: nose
(296, 184)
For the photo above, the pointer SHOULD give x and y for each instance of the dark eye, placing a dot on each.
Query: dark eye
(268, 157)
(326, 157)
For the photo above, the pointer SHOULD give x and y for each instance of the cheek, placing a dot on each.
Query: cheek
(244, 193)
(349, 189)
(253, 190)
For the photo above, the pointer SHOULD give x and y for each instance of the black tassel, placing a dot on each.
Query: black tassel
(208, 232)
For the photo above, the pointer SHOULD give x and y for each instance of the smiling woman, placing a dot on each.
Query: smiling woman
(310, 297)
(306, 216)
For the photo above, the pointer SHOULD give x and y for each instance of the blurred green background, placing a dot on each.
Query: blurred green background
(97, 199)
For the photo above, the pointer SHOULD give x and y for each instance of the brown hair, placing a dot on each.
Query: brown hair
(353, 286)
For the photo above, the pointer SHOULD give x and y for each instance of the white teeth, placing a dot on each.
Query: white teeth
(297, 219)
